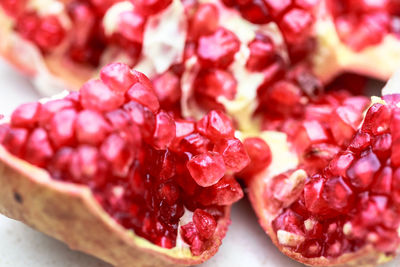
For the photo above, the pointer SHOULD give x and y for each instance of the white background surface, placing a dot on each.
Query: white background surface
(245, 245)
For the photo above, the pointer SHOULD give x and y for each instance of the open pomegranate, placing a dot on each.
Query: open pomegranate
(64, 43)
(109, 173)
(330, 195)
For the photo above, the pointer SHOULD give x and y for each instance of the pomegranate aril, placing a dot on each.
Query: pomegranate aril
(338, 194)
(118, 153)
(259, 153)
(383, 181)
(343, 123)
(204, 223)
(151, 7)
(131, 26)
(50, 108)
(84, 163)
(164, 132)
(143, 117)
(204, 21)
(62, 128)
(195, 143)
(207, 169)
(225, 192)
(262, 53)
(296, 25)
(360, 141)
(277, 7)
(118, 77)
(189, 232)
(184, 128)
(38, 149)
(377, 119)
(167, 89)
(50, 33)
(313, 196)
(340, 164)
(145, 96)
(91, 127)
(362, 171)
(289, 221)
(15, 139)
(255, 11)
(96, 95)
(216, 126)
(234, 154)
(26, 115)
(169, 192)
(218, 50)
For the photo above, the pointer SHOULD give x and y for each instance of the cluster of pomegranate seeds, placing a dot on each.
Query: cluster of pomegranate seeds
(350, 199)
(295, 19)
(145, 167)
(364, 23)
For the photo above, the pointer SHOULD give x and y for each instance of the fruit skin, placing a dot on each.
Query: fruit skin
(366, 256)
(69, 213)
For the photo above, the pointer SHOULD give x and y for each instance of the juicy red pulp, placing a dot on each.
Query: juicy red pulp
(350, 198)
(145, 167)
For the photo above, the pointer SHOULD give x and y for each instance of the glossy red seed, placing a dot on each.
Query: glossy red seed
(131, 26)
(207, 169)
(62, 128)
(376, 120)
(150, 7)
(218, 49)
(84, 163)
(141, 94)
(91, 127)
(15, 139)
(189, 232)
(343, 123)
(117, 77)
(50, 108)
(338, 194)
(226, 192)
(381, 145)
(262, 53)
(277, 7)
(118, 153)
(96, 95)
(383, 181)
(339, 164)
(38, 149)
(234, 154)
(205, 223)
(259, 153)
(362, 171)
(143, 117)
(169, 192)
(167, 89)
(296, 25)
(164, 132)
(26, 115)
(215, 83)
(50, 33)
(313, 198)
(216, 126)
(288, 221)
(204, 21)
(195, 143)
(255, 11)
(360, 141)
(184, 128)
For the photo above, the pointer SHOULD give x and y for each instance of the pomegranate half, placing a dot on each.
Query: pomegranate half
(330, 195)
(110, 174)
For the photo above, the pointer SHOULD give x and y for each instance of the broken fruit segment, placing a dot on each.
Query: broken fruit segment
(121, 175)
(336, 202)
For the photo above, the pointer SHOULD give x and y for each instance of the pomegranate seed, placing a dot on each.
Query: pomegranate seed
(151, 7)
(38, 149)
(360, 142)
(296, 25)
(164, 164)
(206, 169)
(50, 33)
(14, 140)
(117, 77)
(26, 115)
(289, 221)
(204, 21)
(256, 12)
(169, 192)
(362, 171)
(381, 145)
(189, 232)
(184, 128)
(83, 164)
(218, 50)
(167, 89)
(131, 26)
(225, 192)
(164, 132)
(262, 53)
(343, 123)
(50, 108)
(277, 7)
(143, 117)
(313, 197)
(338, 194)
(62, 128)
(204, 223)
(95, 95)
(141, 94)
(27, 25)
(234, 154)
(195, 143)
(377, 119)
(118, 153)
(340, 164)
(259, 153)
(216, 125)
(383, 181)
(91, 127)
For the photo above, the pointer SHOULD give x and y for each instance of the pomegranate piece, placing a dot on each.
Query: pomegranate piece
(259, 154)
(207, 169)
(218, 50)
(151, 7)
(145, 167)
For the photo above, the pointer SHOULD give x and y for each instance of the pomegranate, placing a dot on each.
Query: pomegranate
(109, 173)
(329, 195)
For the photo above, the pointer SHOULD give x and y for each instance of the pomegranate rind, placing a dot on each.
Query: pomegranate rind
(366, 256)
(69, 213)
